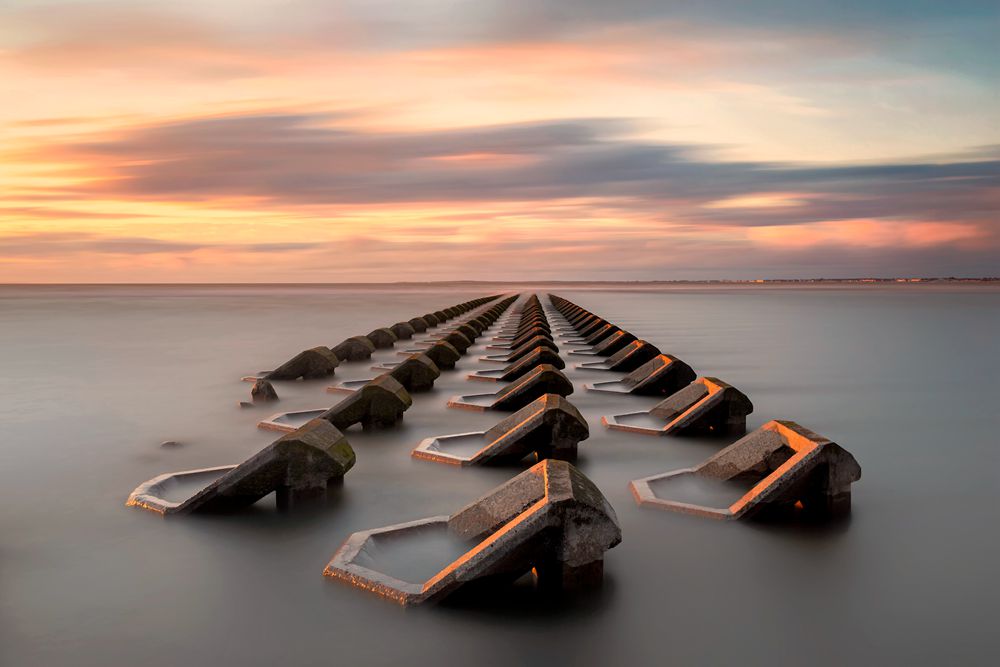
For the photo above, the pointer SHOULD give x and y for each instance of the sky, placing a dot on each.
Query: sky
(369, 140)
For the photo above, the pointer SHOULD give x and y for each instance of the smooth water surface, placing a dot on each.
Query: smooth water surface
(93, 379)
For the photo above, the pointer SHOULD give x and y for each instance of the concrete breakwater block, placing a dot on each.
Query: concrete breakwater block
(419, 324)
(593, 334)
(355, 348)
(544, 379)
(535, 322)
(661, 376)
(298, 466)
(382, 338)
(523, 338)
(521, 367)
(781, 470)
(526, 348)
(549, 427)
(707, 406)
(609, 345)
(551, 520)
(625, 360)
(402, 330)
(317, 362)
(457, 340)
(380, 403)
(443, 354)
(416, 373)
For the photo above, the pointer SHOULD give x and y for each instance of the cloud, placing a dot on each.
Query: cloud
(289, 161)
(61, 244)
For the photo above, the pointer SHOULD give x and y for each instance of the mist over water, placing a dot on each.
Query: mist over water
(94, 379)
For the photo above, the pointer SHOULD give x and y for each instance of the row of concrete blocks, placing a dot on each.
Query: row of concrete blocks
(533, 366)
(322, 361)
(298, 464)
(781, 469)
(545, 425)
(550, 520)
(381, 401)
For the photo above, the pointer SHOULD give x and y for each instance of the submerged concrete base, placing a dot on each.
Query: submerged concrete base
(520, 368)
(661, 376)
(707, 406)
(380, 403)
(296, 466)
(550, 519)
(625, 360)
(549, 427)
(780, 470)
(417, 373)
(544, 379)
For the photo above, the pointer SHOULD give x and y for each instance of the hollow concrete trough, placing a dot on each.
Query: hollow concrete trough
(661, 376)
(544, 379)
(416, 373)
(626, 360)
(608, 346)
(380, 403)
(790, 470)
(550, 520)
(298, 466)
(521, 367)
(524, 349)
(707, 406)
(549, 427)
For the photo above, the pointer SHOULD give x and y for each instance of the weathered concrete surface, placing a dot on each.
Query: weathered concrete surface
(432, 319)
(596, 334)
(521, 367)
(550, 519)
(382, 338)
(316, 362)
(263, 392)
(419, 324)
(790, 472)
(526, 348)
(625, 360)
(707, 406)
(416, 373)
(403, 330)
(444, 355)
(609, 345)
(355, 348)
(515, 343)
(298, 466)
(468, 331)
(661, 376)
(380, 403)
(458, 341)
(544, 379)
(549, 427)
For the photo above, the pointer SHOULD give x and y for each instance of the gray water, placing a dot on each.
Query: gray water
(93, 379)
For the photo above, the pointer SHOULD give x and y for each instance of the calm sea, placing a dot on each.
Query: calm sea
(93, 379)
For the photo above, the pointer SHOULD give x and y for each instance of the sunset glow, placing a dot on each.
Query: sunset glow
(311, 141)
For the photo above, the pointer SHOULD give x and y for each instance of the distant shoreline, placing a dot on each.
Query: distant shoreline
(816, 283)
